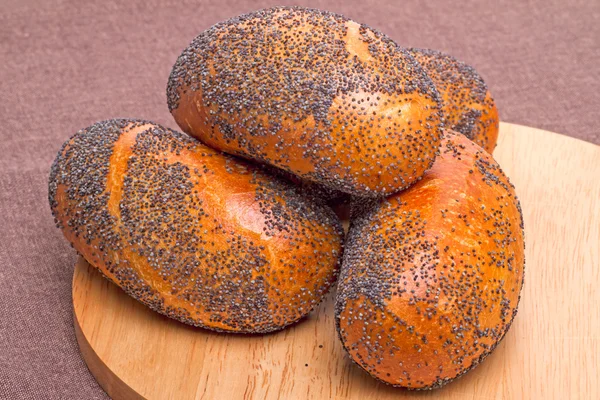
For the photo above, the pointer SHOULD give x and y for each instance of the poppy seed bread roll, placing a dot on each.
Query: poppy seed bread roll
(467, 104)
(311, 92)
(431, 276)
(192, 233)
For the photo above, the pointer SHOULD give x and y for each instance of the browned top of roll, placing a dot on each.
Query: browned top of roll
(431, 276)
(467, 103)
(313, 93)
(194, 234)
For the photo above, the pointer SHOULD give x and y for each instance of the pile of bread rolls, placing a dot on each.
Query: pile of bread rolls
(287, 112)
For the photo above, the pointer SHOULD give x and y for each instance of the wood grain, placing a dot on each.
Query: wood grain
(551, 351)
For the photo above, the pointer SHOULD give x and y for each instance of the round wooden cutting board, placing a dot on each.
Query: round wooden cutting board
(551, 351)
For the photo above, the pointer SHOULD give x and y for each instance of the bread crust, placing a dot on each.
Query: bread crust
(467, 104)
(192, 233)
(313, 93)
(432, 276)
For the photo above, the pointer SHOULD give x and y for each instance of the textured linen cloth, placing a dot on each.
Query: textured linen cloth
(66, 64)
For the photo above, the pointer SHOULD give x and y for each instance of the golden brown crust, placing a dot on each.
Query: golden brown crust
(467, 103)
(431, 276)
(312, 93)
(192, 233)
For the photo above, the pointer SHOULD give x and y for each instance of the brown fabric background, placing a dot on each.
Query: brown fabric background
(65, 64)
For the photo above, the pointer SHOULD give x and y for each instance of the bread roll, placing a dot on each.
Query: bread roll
(466, 101)
(313, 93)
(196, 235)
(432, 276)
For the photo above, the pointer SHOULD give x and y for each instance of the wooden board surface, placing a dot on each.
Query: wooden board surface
(551, 351)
